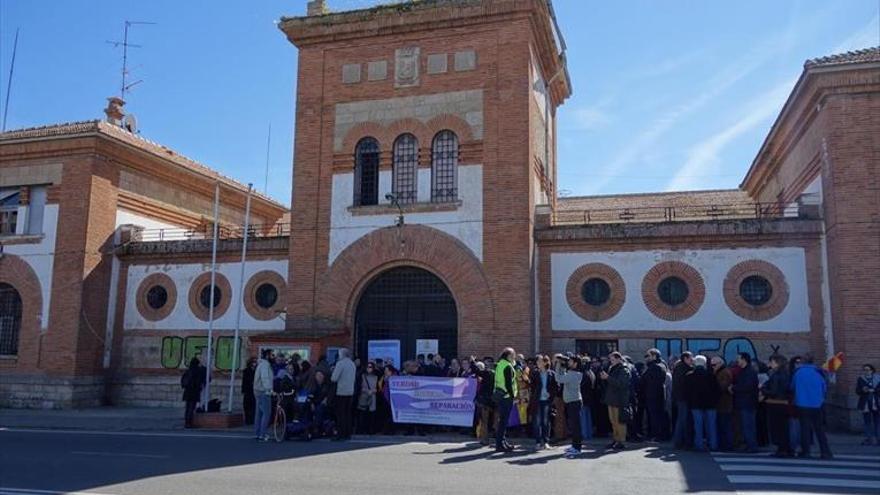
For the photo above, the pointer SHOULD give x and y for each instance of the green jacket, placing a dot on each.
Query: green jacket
(617, 390)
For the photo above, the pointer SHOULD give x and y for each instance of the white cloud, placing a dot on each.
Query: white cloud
(703, 158)
(590, 118)
(867, 36)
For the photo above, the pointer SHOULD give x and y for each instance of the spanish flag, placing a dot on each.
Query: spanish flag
(834, 363)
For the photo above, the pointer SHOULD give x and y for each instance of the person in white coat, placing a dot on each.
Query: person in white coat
(343, 376)
(263, 394)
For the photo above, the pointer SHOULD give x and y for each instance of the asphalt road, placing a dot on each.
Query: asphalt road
(120, 463)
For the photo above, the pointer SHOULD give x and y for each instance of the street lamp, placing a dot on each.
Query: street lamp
(390, 197)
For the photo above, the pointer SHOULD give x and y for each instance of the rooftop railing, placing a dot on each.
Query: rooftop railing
(659, 214)
(206, 232)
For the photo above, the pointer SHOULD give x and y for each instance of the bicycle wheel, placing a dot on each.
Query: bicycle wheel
(279, 426)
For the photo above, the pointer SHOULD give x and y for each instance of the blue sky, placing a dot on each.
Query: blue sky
(667, 95)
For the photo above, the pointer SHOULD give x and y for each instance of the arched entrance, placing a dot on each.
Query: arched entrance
(406, 304)
(10, 319)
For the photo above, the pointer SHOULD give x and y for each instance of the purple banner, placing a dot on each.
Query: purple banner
(432, 401)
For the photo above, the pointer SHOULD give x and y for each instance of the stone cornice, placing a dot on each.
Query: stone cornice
(787, 228)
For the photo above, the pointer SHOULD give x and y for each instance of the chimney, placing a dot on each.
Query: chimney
(114, 110)
(317, 7)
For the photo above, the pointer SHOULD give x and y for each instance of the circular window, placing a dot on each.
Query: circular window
(755, 290)
(205, 296)
(156, 297)
(596, 291)
(264, 295)
(673, 291)
(200, 300)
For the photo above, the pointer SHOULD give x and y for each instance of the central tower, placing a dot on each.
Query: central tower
(442, 112)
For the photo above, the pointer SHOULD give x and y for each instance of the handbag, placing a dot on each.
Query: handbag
(624, 415)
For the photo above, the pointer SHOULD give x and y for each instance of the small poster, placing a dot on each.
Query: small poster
(386, 350)
(332, 355)
(427, 346)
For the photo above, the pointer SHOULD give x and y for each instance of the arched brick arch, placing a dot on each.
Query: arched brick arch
(19, 274)
(454, 124)
(366, 129)
(412, 126)
(339, 289)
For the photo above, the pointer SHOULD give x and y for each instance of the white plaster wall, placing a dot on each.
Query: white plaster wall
(464, 223)
(181, 318)
(41, 258)
(172, 231)
(713, 265)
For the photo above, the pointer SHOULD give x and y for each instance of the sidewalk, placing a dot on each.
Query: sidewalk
(97, 419)
(171, 420)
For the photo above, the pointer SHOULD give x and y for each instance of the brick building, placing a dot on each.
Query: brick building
(425, 207)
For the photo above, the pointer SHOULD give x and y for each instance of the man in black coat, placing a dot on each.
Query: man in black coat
(192, 382)
(681, 437)
(653, 385)
(745, 400)
(702, 393)
(249, 401)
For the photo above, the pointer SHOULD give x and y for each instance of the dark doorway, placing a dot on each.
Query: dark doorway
(406, 304)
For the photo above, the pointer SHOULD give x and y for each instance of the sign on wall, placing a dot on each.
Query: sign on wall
(386, 350)
(427, 346)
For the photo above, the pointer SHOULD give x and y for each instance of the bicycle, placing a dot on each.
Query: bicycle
(279, 422)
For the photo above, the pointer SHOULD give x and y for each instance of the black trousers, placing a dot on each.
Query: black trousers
(504, 408)
(249, 404)
(343, 415)
(573, 418)
(811, 421)
(658, 425)
(777, 417)
(189, 412)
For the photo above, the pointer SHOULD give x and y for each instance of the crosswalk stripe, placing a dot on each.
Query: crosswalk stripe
(851, 457)
(5, 490)
(795, 461)
(802, 481)
(864, 473)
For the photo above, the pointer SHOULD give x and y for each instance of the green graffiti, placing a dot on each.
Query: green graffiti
(194, 348)
(224, 358)
(178, 351)
(172, 352)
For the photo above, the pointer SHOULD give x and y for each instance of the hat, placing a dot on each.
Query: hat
(700, 361)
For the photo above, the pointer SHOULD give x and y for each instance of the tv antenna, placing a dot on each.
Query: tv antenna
(126, 86)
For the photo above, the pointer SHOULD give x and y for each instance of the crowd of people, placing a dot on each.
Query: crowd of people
(697, 402)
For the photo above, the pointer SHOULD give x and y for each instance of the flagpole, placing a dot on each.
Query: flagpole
(240, 297)
(209, 365)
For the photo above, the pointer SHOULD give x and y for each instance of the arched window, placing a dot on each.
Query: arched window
(366, 172)
(444, 167)
(406, 164)
(10, 320)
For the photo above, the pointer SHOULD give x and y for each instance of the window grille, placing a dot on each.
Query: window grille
(444, 167)
(406, 164)
(366, 172)
(10, 319)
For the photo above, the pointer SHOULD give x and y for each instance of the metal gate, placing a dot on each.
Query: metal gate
(10, 319)
(406, 304)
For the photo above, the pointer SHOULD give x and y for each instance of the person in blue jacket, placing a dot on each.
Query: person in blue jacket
(808, 385)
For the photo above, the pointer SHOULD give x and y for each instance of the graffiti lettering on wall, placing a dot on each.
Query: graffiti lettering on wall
(730, 350)
(178, 351)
